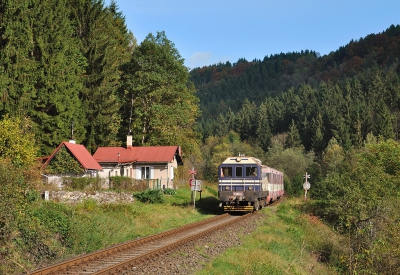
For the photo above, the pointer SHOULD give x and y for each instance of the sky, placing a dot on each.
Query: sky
(208, 32)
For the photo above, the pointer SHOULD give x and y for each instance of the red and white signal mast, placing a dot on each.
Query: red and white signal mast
(306, 185)
(195, 185)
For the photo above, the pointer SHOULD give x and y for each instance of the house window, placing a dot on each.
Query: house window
(145, 172)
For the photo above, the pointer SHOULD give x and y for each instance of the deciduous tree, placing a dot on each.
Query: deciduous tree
(164, 104)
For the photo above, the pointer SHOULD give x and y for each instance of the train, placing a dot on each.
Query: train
(246, 185)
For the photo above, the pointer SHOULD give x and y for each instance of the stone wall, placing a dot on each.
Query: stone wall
(73, 197)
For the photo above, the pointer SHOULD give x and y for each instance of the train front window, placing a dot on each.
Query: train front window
(226, 171)
(239, 171)
(251, 171)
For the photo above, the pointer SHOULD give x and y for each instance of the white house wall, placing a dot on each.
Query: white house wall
(163, 172)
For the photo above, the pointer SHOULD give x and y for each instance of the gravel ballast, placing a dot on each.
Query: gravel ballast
(189, 258)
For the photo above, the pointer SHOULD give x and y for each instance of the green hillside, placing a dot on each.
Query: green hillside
(347, 94)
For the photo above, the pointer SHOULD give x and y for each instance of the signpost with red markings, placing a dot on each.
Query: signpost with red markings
(192, 173)
(195, 185)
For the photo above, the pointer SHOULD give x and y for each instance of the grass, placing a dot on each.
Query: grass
(286, 242)
(88, 226)
(107, 225)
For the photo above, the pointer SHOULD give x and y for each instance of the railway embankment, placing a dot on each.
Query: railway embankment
(281, 238)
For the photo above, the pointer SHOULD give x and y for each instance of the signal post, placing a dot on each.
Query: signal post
(306, 185)
(195, 185)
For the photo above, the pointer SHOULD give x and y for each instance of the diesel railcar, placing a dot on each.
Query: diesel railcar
(244, 184)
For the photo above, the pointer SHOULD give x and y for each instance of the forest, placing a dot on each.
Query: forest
(347, 94)
(335, 117)
(74, 63)
(73, 70)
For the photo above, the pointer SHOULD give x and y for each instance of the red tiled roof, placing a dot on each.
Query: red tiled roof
(154, 154)
(81, 154)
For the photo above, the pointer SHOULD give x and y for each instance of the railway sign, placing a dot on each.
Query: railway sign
(196, 185)
(192, 172)
(306, 185)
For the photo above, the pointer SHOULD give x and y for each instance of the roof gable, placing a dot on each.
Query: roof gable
(80, 153)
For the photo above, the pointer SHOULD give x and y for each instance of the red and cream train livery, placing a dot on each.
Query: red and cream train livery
(244, 184)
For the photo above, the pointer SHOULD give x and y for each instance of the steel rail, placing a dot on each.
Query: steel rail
(123, 266)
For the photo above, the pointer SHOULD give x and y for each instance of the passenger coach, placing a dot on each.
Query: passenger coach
(244, 184)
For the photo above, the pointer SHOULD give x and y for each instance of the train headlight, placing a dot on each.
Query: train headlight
(250, 188)
(226, 187)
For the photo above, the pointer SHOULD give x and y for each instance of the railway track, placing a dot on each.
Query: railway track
(122, 257)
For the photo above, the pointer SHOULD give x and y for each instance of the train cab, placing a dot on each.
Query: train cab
(244, 184)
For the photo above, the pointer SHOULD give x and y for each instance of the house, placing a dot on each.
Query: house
(69, 160)
(156, 164)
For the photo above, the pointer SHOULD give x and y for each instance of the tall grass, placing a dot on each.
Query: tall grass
(286, 242)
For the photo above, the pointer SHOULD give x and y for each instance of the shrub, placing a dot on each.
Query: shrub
(120, 183)
(32, 195)
(150, 196)
(83, 183)
(169, 191)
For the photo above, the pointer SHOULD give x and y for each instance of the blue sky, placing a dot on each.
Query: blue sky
(207, 32)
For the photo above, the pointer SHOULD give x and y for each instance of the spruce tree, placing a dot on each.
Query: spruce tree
(42, 69)
(106, 45)
(263, 132)
(293, 137)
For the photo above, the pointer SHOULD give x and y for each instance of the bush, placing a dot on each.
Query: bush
(150, 196)
(120, 183)
(32, 195)
(169, 191)
(55, 217)
(82, 183)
